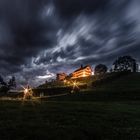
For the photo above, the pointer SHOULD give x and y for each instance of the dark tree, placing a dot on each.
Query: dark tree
(125, 63)
(3, 86)
(2, 83)
(100, 69)
(1, 79)
(12, 82)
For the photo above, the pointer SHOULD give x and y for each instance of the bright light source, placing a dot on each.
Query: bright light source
(75, 87)
(26, 91)
(74, 84)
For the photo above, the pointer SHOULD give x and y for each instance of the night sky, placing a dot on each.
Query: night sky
(39, 38)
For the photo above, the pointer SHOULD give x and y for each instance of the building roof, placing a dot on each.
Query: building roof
(82, 68)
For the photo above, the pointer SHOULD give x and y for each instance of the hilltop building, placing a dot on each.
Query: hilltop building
(82, 72)
(61, 76)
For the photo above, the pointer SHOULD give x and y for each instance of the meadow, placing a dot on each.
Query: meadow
(106, 112)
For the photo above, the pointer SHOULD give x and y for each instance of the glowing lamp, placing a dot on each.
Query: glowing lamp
(74, 84)
(26, 91)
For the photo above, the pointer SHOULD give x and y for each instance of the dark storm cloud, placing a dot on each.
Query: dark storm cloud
(41, 37)
(105, 34)
(24, 33)
(70, 8)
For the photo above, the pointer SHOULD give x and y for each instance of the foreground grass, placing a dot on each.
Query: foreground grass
(69, 120)
(108, 112)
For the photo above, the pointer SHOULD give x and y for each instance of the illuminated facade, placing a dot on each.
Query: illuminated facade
(82, 72)
(61, 76)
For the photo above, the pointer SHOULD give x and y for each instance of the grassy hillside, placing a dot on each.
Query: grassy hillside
(110, 111)
(70, 120)
(130, 82)
(119, 89)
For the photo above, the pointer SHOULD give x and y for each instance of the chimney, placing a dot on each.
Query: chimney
(81, 66)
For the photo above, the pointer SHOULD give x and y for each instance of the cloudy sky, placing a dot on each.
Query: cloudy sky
(39, 38)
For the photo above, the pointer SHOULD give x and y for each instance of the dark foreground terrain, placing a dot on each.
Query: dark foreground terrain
(111, 111)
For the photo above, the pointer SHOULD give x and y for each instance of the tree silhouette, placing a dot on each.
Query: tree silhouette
(3, 86)
(125, 63)
(12, 82)
(100, 69)
(2, 83)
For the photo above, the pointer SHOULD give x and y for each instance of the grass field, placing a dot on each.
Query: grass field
(107, 112)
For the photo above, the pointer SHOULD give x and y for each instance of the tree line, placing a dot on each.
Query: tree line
(121, 64)
(6, 86)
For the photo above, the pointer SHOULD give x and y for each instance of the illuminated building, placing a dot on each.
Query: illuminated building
(61, 76)
(82, 72)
